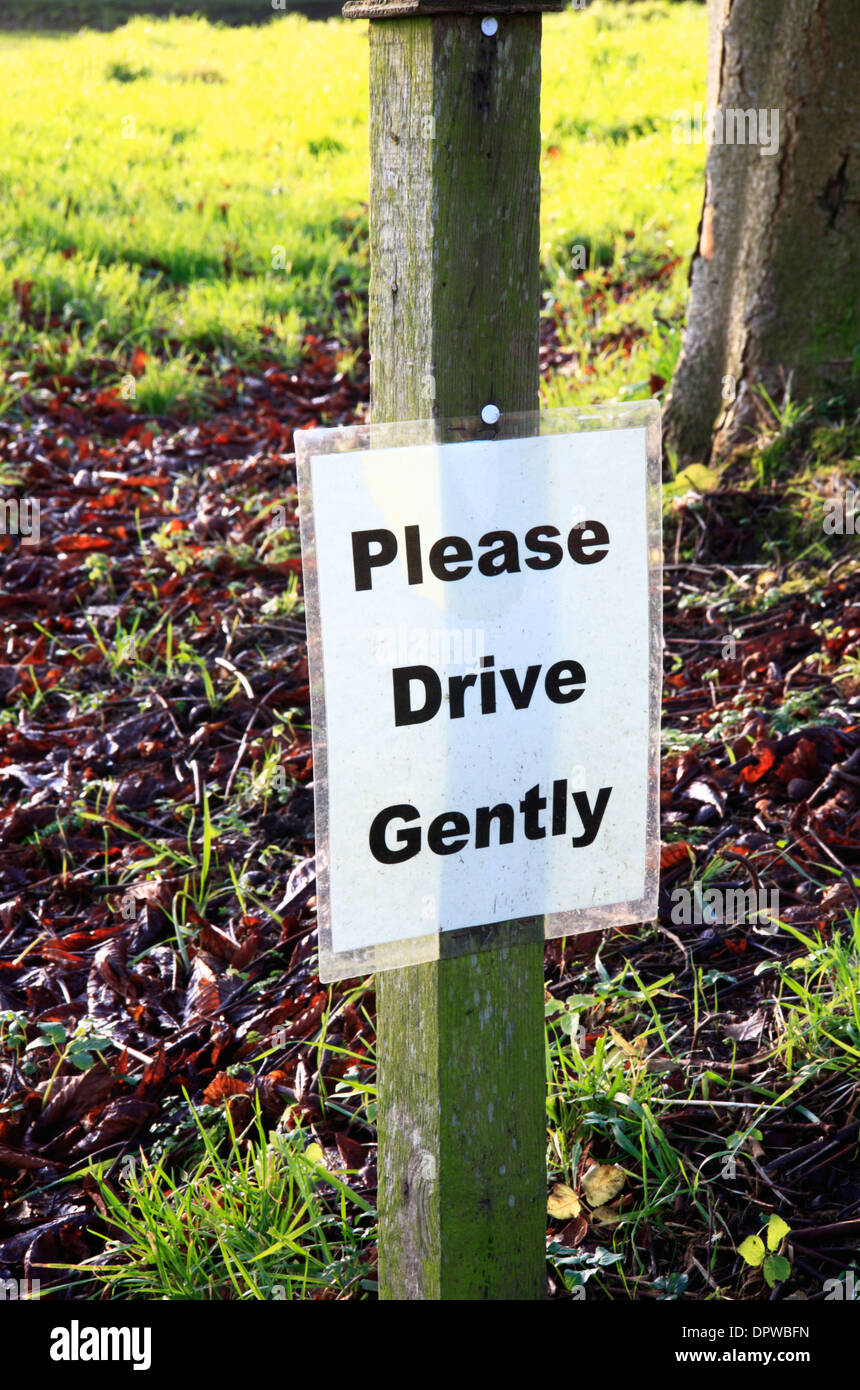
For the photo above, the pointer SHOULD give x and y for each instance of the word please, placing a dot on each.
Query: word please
(451, 832)
(452, 557)
(563, 683)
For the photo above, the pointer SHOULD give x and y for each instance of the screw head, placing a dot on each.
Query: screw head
(489, 26)
(490, 414)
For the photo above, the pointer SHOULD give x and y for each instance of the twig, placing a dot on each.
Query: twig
(835, 1228)
(240, 676)
(846, 872)
(828, 785)
(249, 726)
(240, 754)
(815, 1147)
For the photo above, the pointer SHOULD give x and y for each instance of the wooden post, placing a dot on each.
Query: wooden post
(454, 325)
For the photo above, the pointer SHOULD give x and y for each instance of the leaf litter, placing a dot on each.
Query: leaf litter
(157, 928)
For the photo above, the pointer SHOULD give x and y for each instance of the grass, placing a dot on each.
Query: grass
(820, 996)
(232, 1209)
(620, 1076)
(253, 1216)
(150, 182)
(108, 14)
(181, 190)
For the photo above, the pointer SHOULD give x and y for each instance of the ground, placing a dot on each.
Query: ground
(184, 1109)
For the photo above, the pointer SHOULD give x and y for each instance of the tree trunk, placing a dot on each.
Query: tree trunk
(775, 281)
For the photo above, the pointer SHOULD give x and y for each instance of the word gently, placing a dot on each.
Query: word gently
(452, 557)
(564, 682)
(452, 831)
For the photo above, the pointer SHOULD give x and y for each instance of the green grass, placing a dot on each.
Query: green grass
(618, 1072)
(820, 998)
(615, 185)
(107, 14)
(151, 175)
(253, 1217)
(190, 190)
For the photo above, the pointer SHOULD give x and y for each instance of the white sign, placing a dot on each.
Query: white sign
(482, 624)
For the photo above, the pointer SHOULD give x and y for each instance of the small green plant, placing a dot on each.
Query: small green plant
(13, 1031)
(170, 384)
(186, 656)
(787, 418)
(764, 1254)
(576, 1267)
(671, 1286)
(124, 72)
(98, 568)
(78, 1049)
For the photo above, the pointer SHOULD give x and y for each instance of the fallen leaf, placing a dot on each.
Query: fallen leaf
(606, 1216)
(776, 1269)
(707, 794)
(673, 855)
(71, 1096)
(562, 1202)
(634, 1049)
(749, 1029)
(223, 1086)
(574, 1233)
(602, 1183)
(765, 759)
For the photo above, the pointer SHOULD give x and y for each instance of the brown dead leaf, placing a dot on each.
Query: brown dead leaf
(748, 1029)
(602, 1183)
(574, 1232)
(354, 1155)
(70, 1097)
(223, 1086)
(606, 1216)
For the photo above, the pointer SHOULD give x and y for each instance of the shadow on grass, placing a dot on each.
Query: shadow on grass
(110, 14)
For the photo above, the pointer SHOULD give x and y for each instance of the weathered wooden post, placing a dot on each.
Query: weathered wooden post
(454, 322)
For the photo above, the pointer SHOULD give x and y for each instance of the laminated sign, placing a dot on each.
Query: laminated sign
(484, 646)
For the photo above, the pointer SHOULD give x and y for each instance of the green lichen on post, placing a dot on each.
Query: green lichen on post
(455, 207)
(462, 1123)
(454, 319)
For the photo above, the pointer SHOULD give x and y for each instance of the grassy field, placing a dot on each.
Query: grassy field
(109, 14)
(181, 189)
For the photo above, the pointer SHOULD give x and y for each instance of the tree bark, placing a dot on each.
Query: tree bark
(775, 280)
